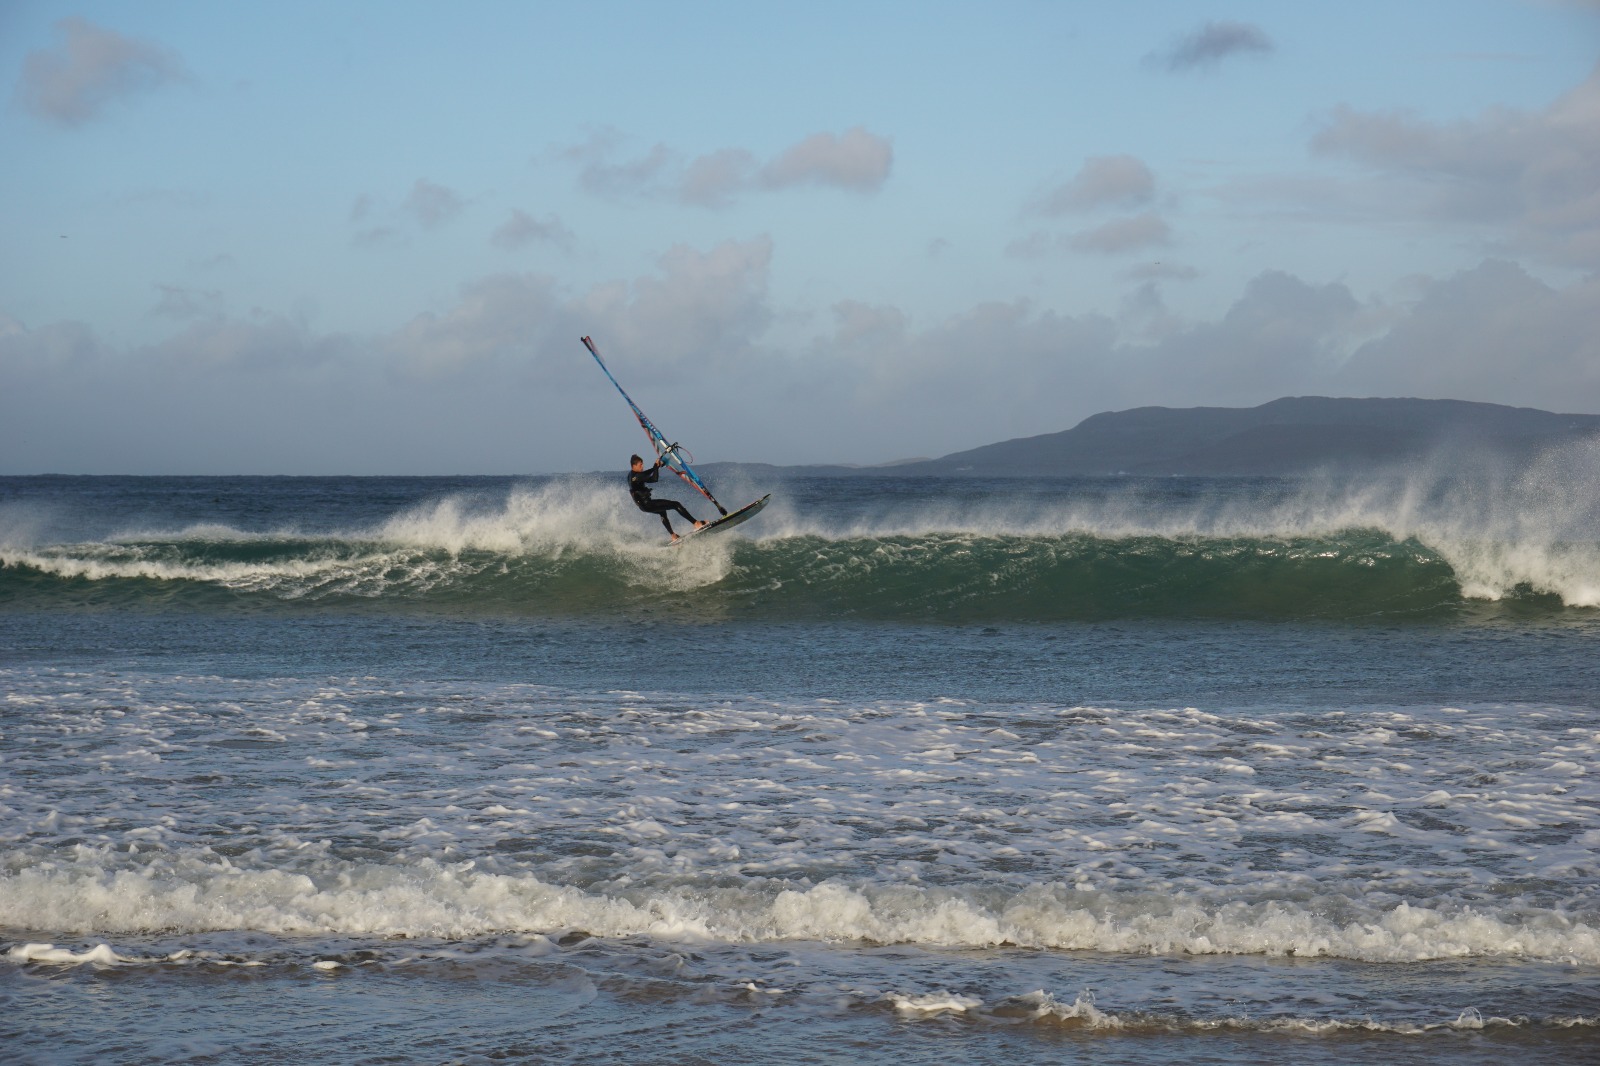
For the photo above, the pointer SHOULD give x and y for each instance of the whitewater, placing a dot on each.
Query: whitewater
(474, 769)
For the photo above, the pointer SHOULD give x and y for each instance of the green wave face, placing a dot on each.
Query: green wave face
(1080, 576)
(956, 577)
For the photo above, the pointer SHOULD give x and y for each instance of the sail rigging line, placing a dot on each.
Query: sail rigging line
(671, 454)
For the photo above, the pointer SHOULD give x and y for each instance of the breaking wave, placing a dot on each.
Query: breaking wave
(202, 891)
(1405, 547)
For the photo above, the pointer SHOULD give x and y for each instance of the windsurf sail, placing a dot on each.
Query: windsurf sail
(673, 455)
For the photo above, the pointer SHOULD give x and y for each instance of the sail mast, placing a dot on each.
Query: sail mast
(667, 453)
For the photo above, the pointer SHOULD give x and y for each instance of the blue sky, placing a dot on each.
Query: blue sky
(365, 237)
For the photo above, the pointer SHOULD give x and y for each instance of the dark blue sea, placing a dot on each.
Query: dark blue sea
(479, 770)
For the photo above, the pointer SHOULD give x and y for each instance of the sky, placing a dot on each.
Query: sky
(365, 238)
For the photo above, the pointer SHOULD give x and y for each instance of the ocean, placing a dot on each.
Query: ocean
(906, 770)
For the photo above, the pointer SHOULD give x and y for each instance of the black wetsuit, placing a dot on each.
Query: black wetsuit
(639, 482)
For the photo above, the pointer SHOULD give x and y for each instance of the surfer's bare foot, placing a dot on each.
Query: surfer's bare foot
(699, 525)
(675, 538)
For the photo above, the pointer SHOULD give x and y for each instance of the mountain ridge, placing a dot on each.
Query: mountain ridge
(1291, 435)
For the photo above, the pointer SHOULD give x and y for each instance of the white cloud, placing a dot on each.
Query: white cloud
(704, 308)
(858, 160)
(498, 317)
(185, 303)
(374, 236)
(700, 306)
(91, 68)
(598, 174)
(25, 352)
(857, 324)
(1212, 43)
(1531, 178)
(256, 349)
(1103, 181)
(522, 229)
(1282, 336)
(432, 204)
(1135, 232)
(427, 204)
(1146, 230)
(1034, 245)
(715, 180)
(1491, 333)
(212, 263)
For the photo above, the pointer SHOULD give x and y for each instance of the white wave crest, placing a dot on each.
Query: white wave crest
(422, 547)
(200, 892)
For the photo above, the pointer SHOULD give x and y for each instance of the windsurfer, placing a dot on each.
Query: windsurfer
(639, 482)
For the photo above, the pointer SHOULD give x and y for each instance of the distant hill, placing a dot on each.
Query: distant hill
(1294, 435)
(1288, 436)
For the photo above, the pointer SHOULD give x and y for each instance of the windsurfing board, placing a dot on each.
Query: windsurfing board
(729, 520)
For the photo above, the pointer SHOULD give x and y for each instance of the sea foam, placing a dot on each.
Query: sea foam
(200, 893)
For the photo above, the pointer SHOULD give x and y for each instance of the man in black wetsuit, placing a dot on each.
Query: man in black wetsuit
(639, 482)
